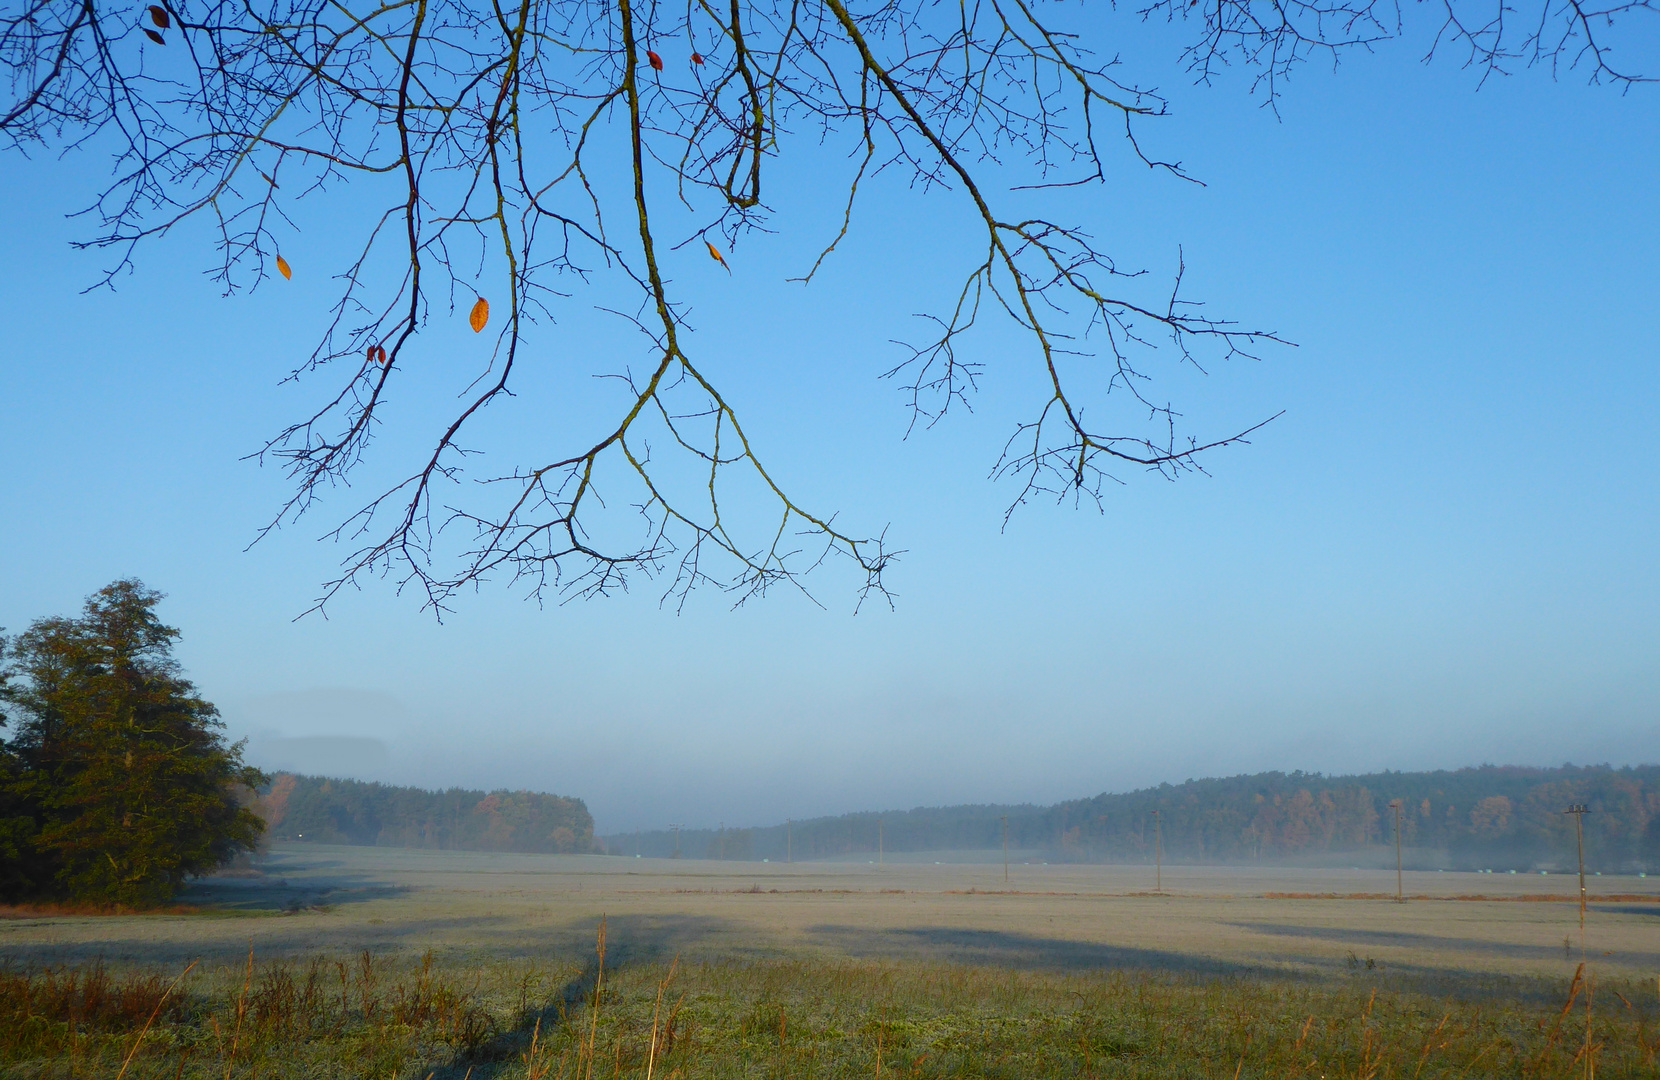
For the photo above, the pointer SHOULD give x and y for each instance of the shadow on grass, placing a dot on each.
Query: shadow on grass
(631, 941)
(1442, 947)
(1650, 910)
(273, 935)
(266, 895)
(1026, 952)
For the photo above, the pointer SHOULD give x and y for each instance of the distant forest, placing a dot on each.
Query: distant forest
(1480, 818)
(331, 811)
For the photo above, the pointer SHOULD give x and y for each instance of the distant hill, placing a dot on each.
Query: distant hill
(334, 811)
(1505, 817)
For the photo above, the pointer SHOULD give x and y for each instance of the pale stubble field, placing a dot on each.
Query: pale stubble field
(1215, 920)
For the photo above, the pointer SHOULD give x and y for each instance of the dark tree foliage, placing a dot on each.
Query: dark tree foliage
(543, 154)
(20, 866)
(118, 784)
(335, 811)
(1469, 818)
(1475, 817)
(25, 870)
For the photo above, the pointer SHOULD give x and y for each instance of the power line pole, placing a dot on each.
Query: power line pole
(1400, 896)
(676, 829)
(1579, 810)
(1005, 849)
(1158, 850)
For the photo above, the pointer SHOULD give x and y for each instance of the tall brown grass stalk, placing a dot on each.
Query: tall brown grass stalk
(531, 1070)
(656, 1011)
(241, 1010)
(1590, 1050)
(593, 1002)
(1429, 1044)
(154, 1013)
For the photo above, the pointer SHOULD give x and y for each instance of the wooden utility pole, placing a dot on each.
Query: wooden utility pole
(1400, 896)
(1158, 850)
(1579, 810)
(1005, 849)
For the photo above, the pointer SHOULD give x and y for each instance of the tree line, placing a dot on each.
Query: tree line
(336, 811)
(1509, 817)
(116, 783)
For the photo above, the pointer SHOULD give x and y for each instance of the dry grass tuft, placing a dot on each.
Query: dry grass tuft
(45, 1013)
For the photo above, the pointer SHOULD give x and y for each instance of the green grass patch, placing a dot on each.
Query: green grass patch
(363, 1016)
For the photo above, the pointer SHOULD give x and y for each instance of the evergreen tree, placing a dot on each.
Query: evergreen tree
(23, 868)
(118, 783)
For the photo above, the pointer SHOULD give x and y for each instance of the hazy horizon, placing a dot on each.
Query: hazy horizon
(312, 757)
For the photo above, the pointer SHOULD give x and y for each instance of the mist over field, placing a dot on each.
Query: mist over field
(1506, 819)
(733, 755)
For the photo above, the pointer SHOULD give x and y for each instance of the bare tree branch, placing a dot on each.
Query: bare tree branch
(493, 146)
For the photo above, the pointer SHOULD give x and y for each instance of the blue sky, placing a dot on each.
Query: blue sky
(1443, 554)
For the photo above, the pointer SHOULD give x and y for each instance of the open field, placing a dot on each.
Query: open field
(825, 969)
(1059, 918)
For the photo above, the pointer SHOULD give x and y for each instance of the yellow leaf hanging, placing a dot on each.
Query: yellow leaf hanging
(480, 315)
(284, 269)
(714, 253)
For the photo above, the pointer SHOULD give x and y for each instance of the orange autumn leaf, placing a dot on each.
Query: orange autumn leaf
(714, 253)
(284, 269)
(697, 58)
(480, 315)
(158, 15)
(656, 61)
(155, 37)
(377, 355)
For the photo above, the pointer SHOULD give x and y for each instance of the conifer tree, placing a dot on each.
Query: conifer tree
(120, 783)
